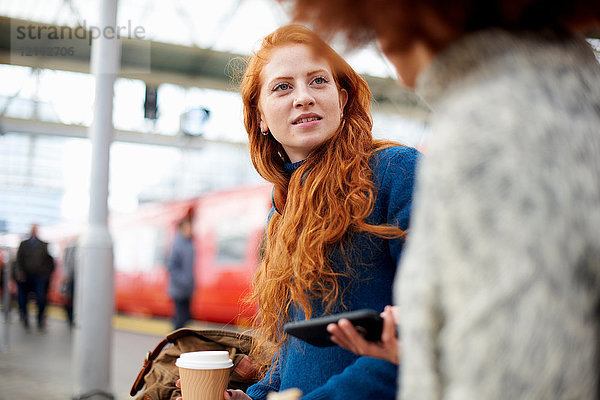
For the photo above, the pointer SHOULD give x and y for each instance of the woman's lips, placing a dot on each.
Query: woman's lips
(306, 118)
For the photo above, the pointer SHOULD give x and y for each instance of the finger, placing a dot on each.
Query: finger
(351, 335)
(389, 337)
(386, 348)
(350, 331)
(389, 330)
(236, 395)
(349, 338)
(343, 343)
(359, 344)
(338, 336)
(346, 336)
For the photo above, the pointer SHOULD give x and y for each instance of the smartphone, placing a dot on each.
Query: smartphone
(314, 331)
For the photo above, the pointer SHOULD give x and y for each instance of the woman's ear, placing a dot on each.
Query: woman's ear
(262, 124)
(343, 98)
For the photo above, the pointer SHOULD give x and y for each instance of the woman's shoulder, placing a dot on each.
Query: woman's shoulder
(388, 156)
(398, 150)
(394, 168)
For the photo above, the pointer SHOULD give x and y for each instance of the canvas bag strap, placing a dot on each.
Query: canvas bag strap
(150, 357)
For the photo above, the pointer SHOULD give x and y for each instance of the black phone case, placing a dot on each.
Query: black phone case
(314, 331)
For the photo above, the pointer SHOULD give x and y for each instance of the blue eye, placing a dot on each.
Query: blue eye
(281, 86)
(320, 80)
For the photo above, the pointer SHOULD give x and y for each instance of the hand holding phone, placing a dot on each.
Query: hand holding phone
(314, 331)
(389, 348)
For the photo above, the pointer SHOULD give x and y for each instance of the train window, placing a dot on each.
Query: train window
(231, 235)
(160, 247)
(135, 248)
(231, 249)
(231, 222)
(123, 243)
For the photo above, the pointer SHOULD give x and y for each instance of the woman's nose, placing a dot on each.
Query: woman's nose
(303, 98)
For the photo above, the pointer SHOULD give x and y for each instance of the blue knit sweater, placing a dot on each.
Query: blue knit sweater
(332, 372)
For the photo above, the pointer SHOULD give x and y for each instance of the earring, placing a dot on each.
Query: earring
(341, 115)
(265, 133)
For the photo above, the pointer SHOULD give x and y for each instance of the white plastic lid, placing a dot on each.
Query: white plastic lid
(204, 360)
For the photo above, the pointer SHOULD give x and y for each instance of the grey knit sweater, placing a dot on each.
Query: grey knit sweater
(499, 286)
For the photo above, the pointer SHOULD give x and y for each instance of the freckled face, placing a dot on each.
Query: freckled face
(299, 100)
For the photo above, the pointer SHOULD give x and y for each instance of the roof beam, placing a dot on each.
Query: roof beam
(37, 127)
(156, 63)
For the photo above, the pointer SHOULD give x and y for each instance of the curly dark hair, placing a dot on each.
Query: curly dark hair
(398, 21)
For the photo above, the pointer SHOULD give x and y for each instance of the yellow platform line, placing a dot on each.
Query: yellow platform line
(143, 325)
(148, 326)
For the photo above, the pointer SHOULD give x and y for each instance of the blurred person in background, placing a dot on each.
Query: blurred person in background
(2, 269)
(33, 269)
(68, 283)
(181, 272)
(3, 282)
(341, 205)
(499, 289)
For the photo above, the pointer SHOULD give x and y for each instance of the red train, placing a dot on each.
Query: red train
(228, 227)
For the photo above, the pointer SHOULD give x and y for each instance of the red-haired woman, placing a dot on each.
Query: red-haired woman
(341, 208)
(499, 289)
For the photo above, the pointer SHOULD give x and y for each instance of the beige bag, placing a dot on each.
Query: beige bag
(159, 372)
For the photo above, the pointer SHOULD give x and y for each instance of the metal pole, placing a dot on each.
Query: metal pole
(94, 303)
(4, 269)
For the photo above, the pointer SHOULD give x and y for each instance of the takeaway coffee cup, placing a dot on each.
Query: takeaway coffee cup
(204, 374)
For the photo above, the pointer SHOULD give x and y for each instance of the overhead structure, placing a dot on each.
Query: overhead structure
(156, 63)
(38, 127)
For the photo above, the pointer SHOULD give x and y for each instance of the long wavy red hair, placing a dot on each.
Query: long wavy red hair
(327, 198)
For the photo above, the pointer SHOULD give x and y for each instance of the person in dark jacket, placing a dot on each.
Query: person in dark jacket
(181, 272)
(34, 266)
